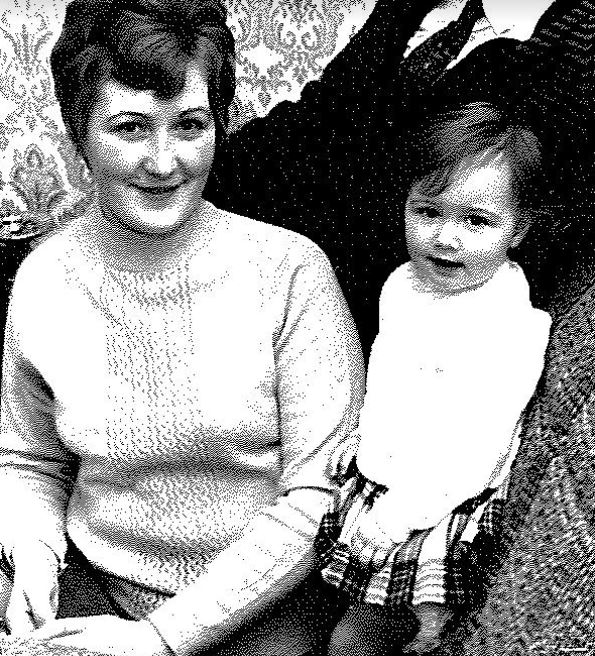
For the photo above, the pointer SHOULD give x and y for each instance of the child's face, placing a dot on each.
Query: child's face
(458, 239)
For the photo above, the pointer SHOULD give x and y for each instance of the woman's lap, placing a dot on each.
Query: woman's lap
(83, 593)
(372, 630)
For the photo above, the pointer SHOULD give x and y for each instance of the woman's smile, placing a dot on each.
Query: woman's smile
(161, 191)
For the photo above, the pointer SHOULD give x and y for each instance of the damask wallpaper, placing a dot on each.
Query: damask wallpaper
(281, 44)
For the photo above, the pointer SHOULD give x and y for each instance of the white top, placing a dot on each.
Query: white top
(512, 19)
(447, 381)
(180, 424)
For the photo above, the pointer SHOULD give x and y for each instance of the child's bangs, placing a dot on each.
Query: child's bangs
(435, 182)
(442, 176)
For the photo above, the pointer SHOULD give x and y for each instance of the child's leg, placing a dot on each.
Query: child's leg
(432, 617)
(372, 630)
(429, 591)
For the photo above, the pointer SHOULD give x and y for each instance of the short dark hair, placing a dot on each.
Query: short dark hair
(437, 145)
(145, 45)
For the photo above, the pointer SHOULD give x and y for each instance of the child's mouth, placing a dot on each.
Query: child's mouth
(445, 264)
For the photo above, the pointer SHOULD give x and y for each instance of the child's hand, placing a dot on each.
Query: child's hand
(370, 544)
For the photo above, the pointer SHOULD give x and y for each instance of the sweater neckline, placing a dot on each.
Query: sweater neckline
(105, 248)
(200, 263)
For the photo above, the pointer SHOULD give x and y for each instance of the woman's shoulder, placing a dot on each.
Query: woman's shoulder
(274, 244)
(42, 277)
(45, 261)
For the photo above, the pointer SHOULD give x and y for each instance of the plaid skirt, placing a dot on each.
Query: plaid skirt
(466, 559)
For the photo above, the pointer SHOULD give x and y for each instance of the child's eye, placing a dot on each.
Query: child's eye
(427, 211)
(477, 221)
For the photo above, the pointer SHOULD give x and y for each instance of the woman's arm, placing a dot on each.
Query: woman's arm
(320, 384)
(272, 557)
(36, 472)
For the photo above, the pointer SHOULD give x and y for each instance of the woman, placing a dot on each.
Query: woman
(331, 166)
(176, 378)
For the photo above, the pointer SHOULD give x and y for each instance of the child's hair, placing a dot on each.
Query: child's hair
(441, 142)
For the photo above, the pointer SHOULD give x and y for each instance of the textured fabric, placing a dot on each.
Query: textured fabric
(255, 577)
(178, 412)
(446, 371)
(539, 592)
(540, 599)
(372, 630)
(395, 583)
(499, 19)
(431, 57)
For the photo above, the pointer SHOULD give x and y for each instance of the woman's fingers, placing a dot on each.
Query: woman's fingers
(18, 615)
(43, 601)
(5, 592)
(34, 597)
(56, 629)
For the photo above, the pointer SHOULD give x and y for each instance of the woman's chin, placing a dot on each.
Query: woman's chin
(148, 214)
(153, 226)
(153, 223)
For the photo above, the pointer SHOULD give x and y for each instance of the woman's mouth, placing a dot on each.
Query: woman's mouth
(160, 191)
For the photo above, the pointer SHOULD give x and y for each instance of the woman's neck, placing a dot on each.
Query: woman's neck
(124, 248)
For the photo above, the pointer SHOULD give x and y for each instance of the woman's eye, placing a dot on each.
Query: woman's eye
(130, 129)
(191, 127)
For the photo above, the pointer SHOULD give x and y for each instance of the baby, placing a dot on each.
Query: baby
(458, 355)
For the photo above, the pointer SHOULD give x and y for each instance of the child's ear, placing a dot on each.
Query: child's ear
(521, 233)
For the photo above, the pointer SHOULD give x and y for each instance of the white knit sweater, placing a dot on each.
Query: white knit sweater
(168, 419)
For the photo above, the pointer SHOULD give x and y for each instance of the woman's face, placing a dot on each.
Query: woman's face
(459, 238)
(150, 157)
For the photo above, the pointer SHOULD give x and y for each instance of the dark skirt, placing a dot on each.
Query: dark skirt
(394, 584)
(85, 590)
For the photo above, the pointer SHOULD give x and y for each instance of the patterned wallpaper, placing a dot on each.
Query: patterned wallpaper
(281, 44)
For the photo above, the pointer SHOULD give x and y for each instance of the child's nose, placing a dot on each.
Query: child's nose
(447, 235)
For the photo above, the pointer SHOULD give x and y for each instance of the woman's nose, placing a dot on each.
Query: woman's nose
(447, 235)
(161, 160)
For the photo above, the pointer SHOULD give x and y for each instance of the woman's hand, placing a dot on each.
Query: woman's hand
(370, 544)
(34, 596)
(104, 634)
